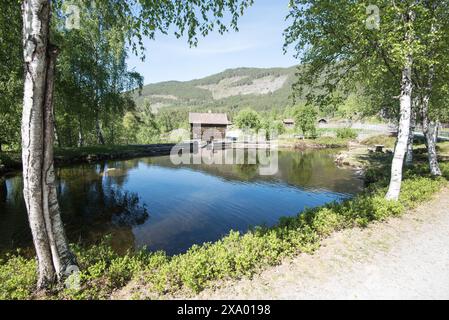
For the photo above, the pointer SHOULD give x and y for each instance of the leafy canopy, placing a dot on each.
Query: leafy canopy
(248, 119)
(306, 119)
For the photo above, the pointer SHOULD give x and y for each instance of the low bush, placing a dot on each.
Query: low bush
(17, 277)
(347, 133)
(234, 256)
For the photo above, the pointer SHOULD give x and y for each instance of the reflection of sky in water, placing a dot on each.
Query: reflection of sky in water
(189, 206)
(164, 207)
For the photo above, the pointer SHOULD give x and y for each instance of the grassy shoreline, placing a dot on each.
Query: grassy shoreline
(157, 276)
(318, 143)
(362, 156)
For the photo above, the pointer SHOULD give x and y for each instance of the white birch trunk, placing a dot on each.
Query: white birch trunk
(411, 137)
(80, 134)
(62, 256)
(397, 164)
(430, 129)
(403, 135)
(98, 130)
(432, 139)
(52, 251)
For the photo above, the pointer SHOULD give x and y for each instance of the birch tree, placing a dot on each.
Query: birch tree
(52, 250)
(431, 74)
(344, 43)
(143, 18)
(405, 101)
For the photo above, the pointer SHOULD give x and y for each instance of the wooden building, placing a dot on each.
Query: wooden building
(322, 121)
(289, 123)
(208, 126)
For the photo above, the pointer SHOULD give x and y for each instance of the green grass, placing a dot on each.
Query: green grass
(332, 142)
(387, 141)
(419, 146)
(234, 256)
(443, 149)
(321, 142)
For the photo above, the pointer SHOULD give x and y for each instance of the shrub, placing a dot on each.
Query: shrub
(17, 277)
(346, 133)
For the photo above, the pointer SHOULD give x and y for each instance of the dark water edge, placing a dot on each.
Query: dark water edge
(12, 161)
(149, 202)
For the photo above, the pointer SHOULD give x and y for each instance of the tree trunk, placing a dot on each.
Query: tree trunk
(80, 134)
(432, 139)
(62, 256)
(57, 138)
(411, 137)
(403, 135)
(98, 129)
(397, 164)
(52, 251)
(430, 128)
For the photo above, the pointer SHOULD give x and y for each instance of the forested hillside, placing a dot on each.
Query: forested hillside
(233, 89)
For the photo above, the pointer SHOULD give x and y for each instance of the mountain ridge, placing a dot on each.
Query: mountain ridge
(259, 88)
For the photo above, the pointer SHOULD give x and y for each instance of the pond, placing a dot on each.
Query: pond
(152, 203)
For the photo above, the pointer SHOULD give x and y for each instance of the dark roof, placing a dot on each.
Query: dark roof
(208, 118)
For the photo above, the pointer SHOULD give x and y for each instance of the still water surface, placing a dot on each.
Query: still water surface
(151, 202)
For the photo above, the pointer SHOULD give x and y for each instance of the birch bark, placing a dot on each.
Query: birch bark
(397, 165)
(403, 135)
(52, 252)
(430, 128)
(411, 137)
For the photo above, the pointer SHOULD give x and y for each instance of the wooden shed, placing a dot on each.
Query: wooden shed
(289, 123)
(208, 126)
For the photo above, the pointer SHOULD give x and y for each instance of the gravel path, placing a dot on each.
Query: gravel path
(404, 258)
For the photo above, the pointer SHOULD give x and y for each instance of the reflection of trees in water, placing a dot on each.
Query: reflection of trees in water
(92, 201)
(245, 172)
(125, 208)
(118, 171)
(3, 190)
(240, 172)
(14, 229)
(300, 170)
(13, 189)
(96, 206)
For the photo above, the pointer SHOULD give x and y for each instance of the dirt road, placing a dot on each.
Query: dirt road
(404, 258)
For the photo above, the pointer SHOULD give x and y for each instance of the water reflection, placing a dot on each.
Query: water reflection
(3, 190)
(151, 202)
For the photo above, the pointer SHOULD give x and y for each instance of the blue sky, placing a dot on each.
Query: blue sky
(257, 44)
